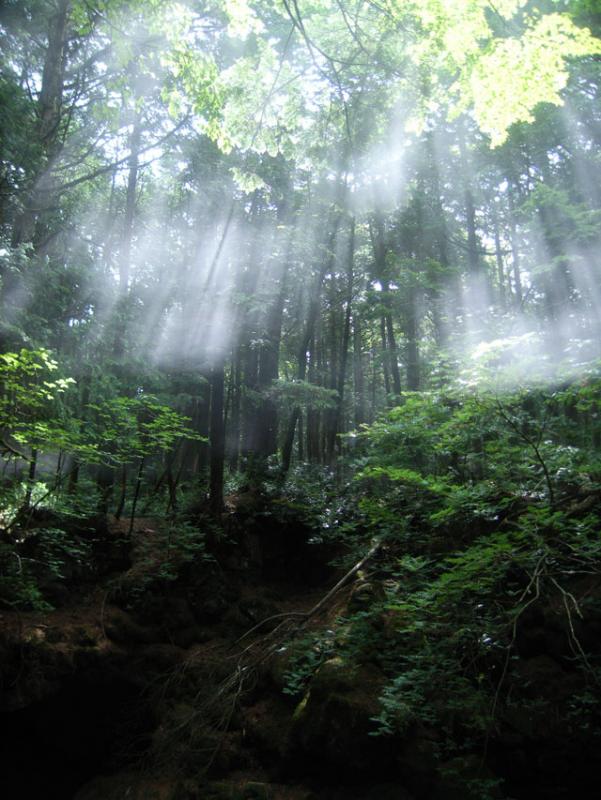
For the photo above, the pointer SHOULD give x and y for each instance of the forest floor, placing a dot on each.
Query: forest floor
(130, 701)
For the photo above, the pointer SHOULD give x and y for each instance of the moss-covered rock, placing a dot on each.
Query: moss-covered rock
(333, 722)
(131, 786)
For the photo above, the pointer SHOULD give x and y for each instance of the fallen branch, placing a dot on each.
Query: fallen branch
(345, 579)
(220, 703)
(306, 615)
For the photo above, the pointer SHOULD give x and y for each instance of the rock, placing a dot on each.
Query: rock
(84, 637)
(333, 721)
(363, 596)
(128, 786)
(186, 637)
(220, 790)
(121, 628)
(254, 790)
(208, 596)
(176, 613)
(418, 761)
(467, 778)
(31, 670)
(387, 791)
(161, 657)
(188, 790)
(279, 667)
(266, 725)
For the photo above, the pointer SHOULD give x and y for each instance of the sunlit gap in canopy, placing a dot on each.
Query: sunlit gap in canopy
(198, 329)
(554, 330)
(381, 172)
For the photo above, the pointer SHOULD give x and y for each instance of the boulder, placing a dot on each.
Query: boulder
(332, 724)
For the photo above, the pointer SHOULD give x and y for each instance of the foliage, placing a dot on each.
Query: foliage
(163, 556)
(37, 561)
(138, 427)
(307, 656)
(476, 545)
(290, 392)
(28, 395)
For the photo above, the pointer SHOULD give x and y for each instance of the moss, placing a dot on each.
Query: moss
(299, 710)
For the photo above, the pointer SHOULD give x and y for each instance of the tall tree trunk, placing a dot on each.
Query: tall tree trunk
(389, 347)
(86, 381)
(312, 426)
(217, 439)
(499, 259)
(122, 492)
(232, 444)
(134, 502)
(392, 346)
(33, 462)
(130, 204)
(473, 252)
(29, 225)
(448, 287)
(248, 326)
(289, 439)
(269, 359)
(313, 312)
(360, 415)
(300, 438)
(515, 251)
(336, 426)
(125, 247)
(411, 320)
(202, 418)
(385, 355)
(250, 367)
(412, 347)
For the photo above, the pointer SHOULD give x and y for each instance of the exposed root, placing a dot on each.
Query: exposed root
(216, 701)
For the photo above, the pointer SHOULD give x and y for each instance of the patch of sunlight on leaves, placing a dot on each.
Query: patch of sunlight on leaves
(243, 20)
(533, 69)
(249, 182)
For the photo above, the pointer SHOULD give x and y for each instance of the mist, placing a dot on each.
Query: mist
(259, 200)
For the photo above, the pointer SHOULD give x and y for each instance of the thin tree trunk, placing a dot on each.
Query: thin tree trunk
(130, 204)
(28, 225)
(136, 496)
(473, 254)
(300, 449)
(121, 503)
(392, 349)
(336, 427)
(385, 355)
(499, 260)
(360, 415)
(217, 437)
(412, 349)
(327, 264)
(389, 348)
(233, 420)
(33, 462)
(515, 252)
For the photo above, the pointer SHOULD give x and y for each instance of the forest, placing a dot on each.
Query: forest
(300, 399)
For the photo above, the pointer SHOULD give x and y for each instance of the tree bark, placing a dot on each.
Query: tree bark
(217, 439)
(336, 426)
(28, 226)
(313, 312)
(130, 204)
(360, 415)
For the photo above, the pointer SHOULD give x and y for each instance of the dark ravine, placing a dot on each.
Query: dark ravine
(93, 722)
(87, 688)
(144, 690)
